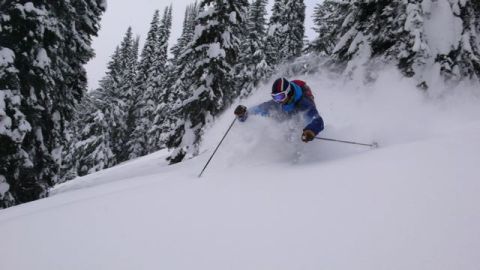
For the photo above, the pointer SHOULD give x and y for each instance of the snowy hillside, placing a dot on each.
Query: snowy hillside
(268, 201)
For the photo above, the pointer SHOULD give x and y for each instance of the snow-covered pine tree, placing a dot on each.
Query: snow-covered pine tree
(147, 56)
(134, 55)
(411, 49)
(252, 65)
(90, 135)
(160, 81)
(406, 34)
(286, 31)
(180, 60)
(461, 59)
(119, 89)
(13, 126)
(188, 29)
(273, 41)
(92, 151)
(163, 37)
(131, 95)
(148, 70)
(257, 16)
(164, 122)
(68, 167)
(214, 51)
(328, 18)
(369, 29)
(43, 46)
(294, 28)
(150, 83)
(106, 117)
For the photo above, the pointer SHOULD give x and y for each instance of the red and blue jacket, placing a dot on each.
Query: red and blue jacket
(302, 103)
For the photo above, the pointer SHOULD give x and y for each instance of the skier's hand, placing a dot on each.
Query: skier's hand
(308, 135)
(241, 112)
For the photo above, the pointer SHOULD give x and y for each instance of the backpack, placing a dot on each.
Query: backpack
(307, 91)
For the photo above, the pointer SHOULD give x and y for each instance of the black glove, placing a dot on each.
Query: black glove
(308, 135)
(241, 112)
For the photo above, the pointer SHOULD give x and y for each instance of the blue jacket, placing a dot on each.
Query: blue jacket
(301, 104)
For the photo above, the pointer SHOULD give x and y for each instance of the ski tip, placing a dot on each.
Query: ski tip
(374, 145)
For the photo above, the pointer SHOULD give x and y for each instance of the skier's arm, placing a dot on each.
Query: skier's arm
(262, 109)
(313, 117)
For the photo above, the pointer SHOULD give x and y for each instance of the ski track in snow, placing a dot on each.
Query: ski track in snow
(410, 204)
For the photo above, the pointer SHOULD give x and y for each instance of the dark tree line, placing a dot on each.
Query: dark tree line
(43, 47)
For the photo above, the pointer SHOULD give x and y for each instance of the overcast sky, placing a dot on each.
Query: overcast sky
(123, 13)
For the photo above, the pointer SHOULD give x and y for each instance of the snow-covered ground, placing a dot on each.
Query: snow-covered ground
(268, 201)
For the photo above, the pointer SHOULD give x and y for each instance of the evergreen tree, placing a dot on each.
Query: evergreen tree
(286, 31)
(43, 49)
(92, 150)
(148, 70)
(294, 28)
(107, 116)
(164, 36)
(134, 96)
(162, 53)
(13, 126)
(328, 18)
(214, 50)
(188, 29)
(257, 17)
(176, 83)
(463, 60)
(252, 65)
(361, 21)
(119, 88)
(147, 58)
(274, 39)
(411, 50)
(151, 82)
(402, 33)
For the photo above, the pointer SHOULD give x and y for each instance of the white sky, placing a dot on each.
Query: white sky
(123, 13)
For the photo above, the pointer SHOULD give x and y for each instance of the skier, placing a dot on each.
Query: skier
(288, 98)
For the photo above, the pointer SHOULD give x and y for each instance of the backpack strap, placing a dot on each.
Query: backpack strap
(307, 91)
(299, 83)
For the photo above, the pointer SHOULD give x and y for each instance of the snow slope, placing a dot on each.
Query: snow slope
(411, 204)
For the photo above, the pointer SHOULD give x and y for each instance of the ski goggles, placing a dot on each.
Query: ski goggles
(282, 96)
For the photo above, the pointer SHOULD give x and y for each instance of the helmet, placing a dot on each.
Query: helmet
(282, 90)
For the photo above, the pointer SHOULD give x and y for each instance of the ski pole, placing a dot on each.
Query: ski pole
(208, 162)
(373, 145)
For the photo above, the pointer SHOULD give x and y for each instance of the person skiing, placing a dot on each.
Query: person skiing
(288, 98)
